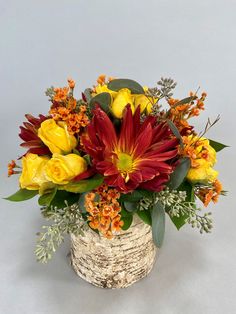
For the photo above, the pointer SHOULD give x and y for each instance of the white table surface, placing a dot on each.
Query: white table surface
(44, 42)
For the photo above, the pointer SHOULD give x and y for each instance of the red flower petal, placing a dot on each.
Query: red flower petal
(143, 141)
(105, 129)
(157, 184)
(86, 174)
(126, 135)
(27, 135)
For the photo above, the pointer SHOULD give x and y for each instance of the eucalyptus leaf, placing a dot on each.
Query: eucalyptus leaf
(158, 224)
(179, 174)
(22, 195)
(102, 99)
(135, 196)
(131, 206)
(133, 86)
(175, 131)
(217, 146)
(184, 101)
(87, 94)
(81, 202)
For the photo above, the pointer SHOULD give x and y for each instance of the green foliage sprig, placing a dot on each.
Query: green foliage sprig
(67, 220)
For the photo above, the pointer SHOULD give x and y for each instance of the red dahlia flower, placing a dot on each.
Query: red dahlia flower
(136, 156)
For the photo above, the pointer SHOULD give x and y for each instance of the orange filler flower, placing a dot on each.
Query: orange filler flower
(65, 108)
(11, 168)
(180, 114)
(208, 194)
(104, 213)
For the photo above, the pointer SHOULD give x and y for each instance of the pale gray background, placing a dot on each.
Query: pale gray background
(44, 42)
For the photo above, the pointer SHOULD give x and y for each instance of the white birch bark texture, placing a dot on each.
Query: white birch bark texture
(115, 263)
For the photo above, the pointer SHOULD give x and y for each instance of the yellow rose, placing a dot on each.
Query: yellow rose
(203, 173)
(144, 101)
(122, 99)
(56, 136)
(104, 89)
(62, 169)
(211, 158)
(33, 174)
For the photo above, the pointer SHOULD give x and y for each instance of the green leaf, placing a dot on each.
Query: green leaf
(217, 146)
(135, 196)
(158, 224)
(46, 199)
(179, 174)
(62, 196)
(75, 151)
(175, 131)
(133, 86)
(87, 94)
(83, 185)
(131, 206)
(103, 99)
(145, 216)
(179, 221)
(22, 195)
(88, 159)
(185, 101)
(127, 218)
(81, 202)
(189, 189)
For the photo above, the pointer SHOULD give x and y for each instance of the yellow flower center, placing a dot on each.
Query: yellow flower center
(125, 165)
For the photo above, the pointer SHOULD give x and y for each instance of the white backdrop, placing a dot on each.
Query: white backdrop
(44, 42)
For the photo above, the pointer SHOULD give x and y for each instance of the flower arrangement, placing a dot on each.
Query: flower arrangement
(119, 151)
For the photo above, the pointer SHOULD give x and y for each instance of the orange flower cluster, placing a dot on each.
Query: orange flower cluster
(207, 194)
(104, 213)
(179, 114)
(74, 120)
(11, 166)
(61, 94)
(196, 148)
(102, 79)
(64, 108)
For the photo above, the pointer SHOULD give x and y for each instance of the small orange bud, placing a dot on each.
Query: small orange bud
(71, 83)
(101, 79)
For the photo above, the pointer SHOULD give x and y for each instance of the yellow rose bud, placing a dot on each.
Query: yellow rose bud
(203, 173)
(203, 149)
(211, 158)
(56, 136)
(33, 174)
(145, 102)
(122, 99)
(62, 169)
(103, 89)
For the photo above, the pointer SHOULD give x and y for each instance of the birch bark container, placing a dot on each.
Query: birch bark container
(115, 263)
